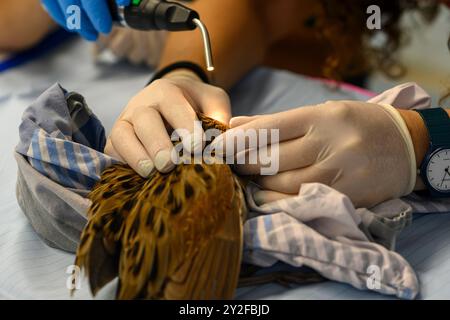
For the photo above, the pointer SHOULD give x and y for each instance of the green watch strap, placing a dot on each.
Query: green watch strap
(437, 122)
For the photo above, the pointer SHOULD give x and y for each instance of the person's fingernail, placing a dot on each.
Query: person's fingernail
(163, 161)
(145, 168)
(259, 197)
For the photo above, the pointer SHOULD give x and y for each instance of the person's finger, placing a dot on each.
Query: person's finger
(282, 126)
(262, 197)
(154, 43)
(216, 104)
(110, 151)
(121, 43)
(86, 29)
(151, 46)
(144, 49)
(133, 54)
(141, 47)
(286, 156)
(291, 124)
(139, 50)
(238, 121)
(104, 40)
(149, 128)
(127, 145)
(219, 110)
(290, 181)
(99, 15)
(175, 108)
(55, 11)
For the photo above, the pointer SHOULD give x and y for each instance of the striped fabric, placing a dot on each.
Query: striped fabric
(71, 164)
(64, 140)
(320, 229)
(423, 204)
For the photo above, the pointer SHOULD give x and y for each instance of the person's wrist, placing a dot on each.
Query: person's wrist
(420, 139)
(397, 119)
(184, 74)
(184, 69)
(418, 132)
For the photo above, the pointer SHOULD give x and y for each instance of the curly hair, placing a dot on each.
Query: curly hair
(343, 26)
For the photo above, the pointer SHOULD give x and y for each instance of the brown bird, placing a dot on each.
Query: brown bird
(171, 236)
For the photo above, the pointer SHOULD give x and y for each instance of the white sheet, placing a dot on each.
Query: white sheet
(31, 270)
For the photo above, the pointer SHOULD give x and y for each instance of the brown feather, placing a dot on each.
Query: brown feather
(171, 236)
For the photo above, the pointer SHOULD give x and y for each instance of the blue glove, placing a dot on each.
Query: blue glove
(95, 16)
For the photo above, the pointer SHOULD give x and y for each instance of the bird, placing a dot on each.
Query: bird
(176, 235)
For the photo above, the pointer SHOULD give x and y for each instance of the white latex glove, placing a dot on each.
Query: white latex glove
(138, 47)
(140, 135)
(363, 150)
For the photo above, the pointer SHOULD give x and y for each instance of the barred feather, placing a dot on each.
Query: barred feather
(170, 236)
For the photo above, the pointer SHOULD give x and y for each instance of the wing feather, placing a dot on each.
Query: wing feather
(171, 236)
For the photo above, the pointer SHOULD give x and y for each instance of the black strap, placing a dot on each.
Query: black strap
(438, 125)
(181, 65)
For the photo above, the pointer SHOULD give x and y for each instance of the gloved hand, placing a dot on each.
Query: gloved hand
(140, 135)
(363, 150)
(95, 15)
(134, 45)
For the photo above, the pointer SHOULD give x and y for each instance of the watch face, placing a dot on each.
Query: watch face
(438, 170)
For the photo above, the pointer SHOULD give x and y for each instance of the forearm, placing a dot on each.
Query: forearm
(237, 34)
(22, 24)
(419, 136)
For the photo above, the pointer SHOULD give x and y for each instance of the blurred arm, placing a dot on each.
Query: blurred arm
(240, 34)
(22, 24)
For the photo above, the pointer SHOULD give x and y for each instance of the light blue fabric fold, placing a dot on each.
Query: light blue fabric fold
(63, 139)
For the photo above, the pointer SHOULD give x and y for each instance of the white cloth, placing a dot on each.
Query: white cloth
(319, 228)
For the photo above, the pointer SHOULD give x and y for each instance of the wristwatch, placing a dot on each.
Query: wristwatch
(435, 168)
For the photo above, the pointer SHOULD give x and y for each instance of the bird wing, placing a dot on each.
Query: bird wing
(183, 240)
(171, 236)
(112, 199)
(213, 271)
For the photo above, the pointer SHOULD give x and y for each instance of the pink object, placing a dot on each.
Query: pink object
(404, 96)
(347, 86)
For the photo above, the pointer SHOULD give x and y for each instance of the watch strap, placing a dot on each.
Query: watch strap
(437, 122)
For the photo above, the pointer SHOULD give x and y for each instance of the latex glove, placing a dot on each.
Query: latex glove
(135, 46)
(363, 150)
(95, 15)
(140, 135)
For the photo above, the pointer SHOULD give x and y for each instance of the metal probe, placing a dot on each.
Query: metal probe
(206, 44)
(146, 15)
